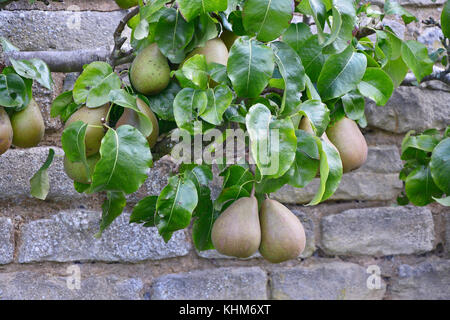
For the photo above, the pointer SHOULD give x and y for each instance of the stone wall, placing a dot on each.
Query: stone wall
(358, 231)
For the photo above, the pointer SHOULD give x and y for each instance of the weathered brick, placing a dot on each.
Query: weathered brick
(411, 108)
(308, 225)
(447, 234)
(17, 167)
(222, 283)
(6, 240)
(69, 236)
(378, 231)
(429, 280)
(30, 285)
(382, 159)
(97, 5)
(44, 98)
(49, 30)
(324, 281)
(354, 186)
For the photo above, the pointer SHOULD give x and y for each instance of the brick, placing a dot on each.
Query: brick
(382, 159)
(6, 240)
(324, 281)
(354, 186)
(57, 30)
(221, 284)
(429, 280)
(411, 108)
(447, 234)
(29, 285)
(97, 5)
(378, 231)
(308, 225)
(17, 167)
(69, 236)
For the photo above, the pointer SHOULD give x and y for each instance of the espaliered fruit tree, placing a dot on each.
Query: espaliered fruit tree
(298, 88)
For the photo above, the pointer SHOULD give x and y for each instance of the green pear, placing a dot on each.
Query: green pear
(95, 131)
(131, 118)
(282, 234)
(77, 171)
(350, 143)
(150, 71)
(228, 38)
(127, 4)
(28, 126)
(236, 231)
(214, 51)
(6, 131)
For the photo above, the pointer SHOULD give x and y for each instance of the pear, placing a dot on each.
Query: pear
(228, 38)
(127, 4)
(130, 117)
(350, 142)
(214, 51)
(28, 126)
(150, 71)
(77, 171)
(236, 231)
(305, 125)
(95, 132)
(6, 131)
(282, 234)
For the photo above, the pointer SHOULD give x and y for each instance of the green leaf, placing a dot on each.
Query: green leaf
(273, 142)
(317, 9)
(73, 142)
(344, 21)
(415, 55)
(201, 176)
(317, 113)
(237, 175)
(376, 85)
(124, 163)
(312, 57)
(266, 18)
(39, 183)
(397, 70)
(34, 69)
(162, 103)
(124, 99)
(218, 73)
(192, 8)
(145, 211)
(293, 73)
(7, 46)
(341, 73)
(205, 29)
(63, 106)
(94, 84)
(228, 196)
(306, 164)
(175, 205)
(250, 67)
(353, 103)
(443, 201)
(440, 165)
(13, 92)
(330, 171)
(187, 105)
(193, 73)
(389, 43)
(173, 34)
(219, 99)
(420, 187)
(417, 147)
(112, 207)
(394, 8)
(445, 20)
(297, 36)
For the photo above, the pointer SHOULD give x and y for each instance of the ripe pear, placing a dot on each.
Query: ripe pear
(228, 38)
(214, 51)
(28, 126)
(282, 234)
(95, 131)
(131, 118)
(127, 4)
(236, 232)
(6, 131)
(77, 171)
(350, 142)
(305, 125)
(150, 71)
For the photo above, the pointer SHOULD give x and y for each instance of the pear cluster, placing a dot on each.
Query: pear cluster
(241, 230)
(24, 129)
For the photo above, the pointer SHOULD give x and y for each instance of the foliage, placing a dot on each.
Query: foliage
(277, 72)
